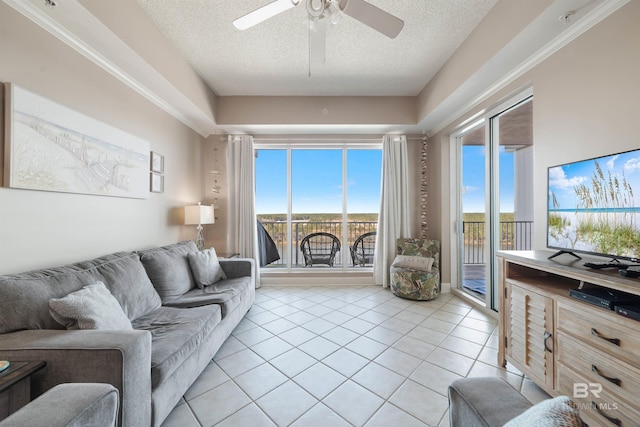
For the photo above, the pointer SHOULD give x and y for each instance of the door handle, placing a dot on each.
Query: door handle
(547, 335)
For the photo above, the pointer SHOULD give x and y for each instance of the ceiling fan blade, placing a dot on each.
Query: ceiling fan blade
(373, 16)
(264, 13)
(317, 41)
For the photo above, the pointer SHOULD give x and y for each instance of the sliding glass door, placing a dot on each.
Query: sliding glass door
(511, 227)
(495, 206)
(473, 208)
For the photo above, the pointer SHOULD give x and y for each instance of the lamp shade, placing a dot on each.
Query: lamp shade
(198, 214)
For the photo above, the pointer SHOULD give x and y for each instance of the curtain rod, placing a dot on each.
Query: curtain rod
(332, 139)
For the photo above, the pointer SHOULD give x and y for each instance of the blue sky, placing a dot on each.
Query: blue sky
(473, 179)
(317, 181)
(563, 179)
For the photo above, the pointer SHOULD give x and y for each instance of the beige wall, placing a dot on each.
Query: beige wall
(40, 229)
(586, 101)
(585, 104)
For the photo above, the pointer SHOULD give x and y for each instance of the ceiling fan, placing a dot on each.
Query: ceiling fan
(320, 13)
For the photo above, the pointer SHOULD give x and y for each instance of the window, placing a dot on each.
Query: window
(301, 190)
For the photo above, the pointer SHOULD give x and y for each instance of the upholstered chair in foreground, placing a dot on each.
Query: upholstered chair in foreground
(70, 405)
(492, 402)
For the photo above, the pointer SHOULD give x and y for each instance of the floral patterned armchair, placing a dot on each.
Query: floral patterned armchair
(411, 276)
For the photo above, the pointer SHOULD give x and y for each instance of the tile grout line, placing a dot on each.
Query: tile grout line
(444, 314)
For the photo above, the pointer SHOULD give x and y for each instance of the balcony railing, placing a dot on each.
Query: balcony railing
(514, 235)
(278, 232)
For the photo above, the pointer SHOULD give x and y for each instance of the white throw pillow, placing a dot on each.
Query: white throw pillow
(205, 267)
(92, 307)
(560, 411)
(415, 262)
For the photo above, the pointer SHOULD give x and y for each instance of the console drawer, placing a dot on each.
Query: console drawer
(593, 328)
(604, 410)
(597, 367)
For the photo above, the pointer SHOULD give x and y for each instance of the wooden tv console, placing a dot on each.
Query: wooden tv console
(566, 346)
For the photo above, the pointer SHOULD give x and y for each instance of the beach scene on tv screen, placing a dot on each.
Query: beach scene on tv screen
(594, 206)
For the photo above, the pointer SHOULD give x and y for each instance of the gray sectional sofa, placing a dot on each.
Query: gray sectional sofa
(178, 324)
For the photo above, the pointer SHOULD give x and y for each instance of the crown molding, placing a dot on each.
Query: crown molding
(163, 94)
(581, 25)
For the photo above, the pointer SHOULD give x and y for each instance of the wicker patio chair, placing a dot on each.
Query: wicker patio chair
(363, 249)
(319, 249)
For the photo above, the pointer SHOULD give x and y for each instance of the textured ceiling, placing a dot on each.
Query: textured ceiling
(272, 58)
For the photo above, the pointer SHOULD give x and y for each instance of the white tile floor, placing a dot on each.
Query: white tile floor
(344, 356)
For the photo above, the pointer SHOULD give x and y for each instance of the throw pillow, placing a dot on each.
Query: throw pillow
(560, 411)
(205, 267)
(414, 262)
(92, 307)
(168, 268)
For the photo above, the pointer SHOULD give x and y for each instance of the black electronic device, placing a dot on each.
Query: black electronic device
(630, 272)
(608, 264)
(603, 297)
(630, 311)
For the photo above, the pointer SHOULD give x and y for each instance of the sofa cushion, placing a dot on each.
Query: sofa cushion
(205, 267)
(125, 277)
(175, 334)
(227, 293)
(168, 268)
(560, 411)
(24, 297)
(92, 307)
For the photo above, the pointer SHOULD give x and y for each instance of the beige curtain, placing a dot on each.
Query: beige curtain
(243, 235)
(394, 216)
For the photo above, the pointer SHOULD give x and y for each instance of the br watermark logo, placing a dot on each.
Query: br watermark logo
(586, 390)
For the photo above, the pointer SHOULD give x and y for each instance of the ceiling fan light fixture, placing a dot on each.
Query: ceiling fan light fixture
(315, 8)
(313, 24)
(334, 12)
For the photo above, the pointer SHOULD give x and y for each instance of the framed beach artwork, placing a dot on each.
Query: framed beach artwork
(50, 147)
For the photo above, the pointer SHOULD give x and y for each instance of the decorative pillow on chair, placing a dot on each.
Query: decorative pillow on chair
(560, 411)
(92, 307)
(205, 267)
(414, 262)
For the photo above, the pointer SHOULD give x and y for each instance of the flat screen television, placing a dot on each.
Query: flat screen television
(594, 206)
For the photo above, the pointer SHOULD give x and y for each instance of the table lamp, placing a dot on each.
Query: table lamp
(199, 214)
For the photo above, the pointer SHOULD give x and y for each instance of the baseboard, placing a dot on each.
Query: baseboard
(301, 279)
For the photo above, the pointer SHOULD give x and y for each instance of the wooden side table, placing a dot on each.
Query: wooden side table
(15, 386)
